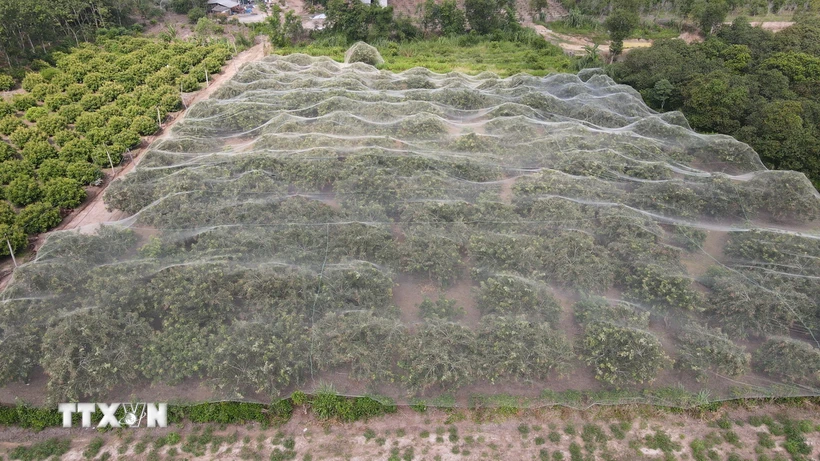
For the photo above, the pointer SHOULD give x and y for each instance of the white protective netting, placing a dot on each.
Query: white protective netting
(448, 238)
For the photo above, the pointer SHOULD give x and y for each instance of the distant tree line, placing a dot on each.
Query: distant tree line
(755, 85)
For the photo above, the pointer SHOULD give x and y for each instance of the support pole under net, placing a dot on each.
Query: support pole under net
(11, 252)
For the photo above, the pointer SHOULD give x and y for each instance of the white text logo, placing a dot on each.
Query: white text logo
(154, 414)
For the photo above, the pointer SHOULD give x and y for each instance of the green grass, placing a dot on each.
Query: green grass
(467, 54)
(597, 33)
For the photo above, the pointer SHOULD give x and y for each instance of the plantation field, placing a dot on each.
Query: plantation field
(83, 115)
(437, 238)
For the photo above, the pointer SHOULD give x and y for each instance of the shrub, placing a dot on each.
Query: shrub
(7, 152)
(31, 80)
(6, 108)
(15, 235)
(794, 360)
(76, 91)
(23, 191)
(63, 192)
(35, 152)
(703, 348)
(54, 102)
(78, 150)
(50, 449)
(144, 126)
(189, 83)
(83, 172)
(52, 123)
(79, 349)
(7, 215)
(9, 124)
(653, 285)
(111, 90)
(126, 138)
(622, 355)
(38, 217)
(42, 90)
(92, 101)
(507, 294)
(35, 113)
(22, 102)
(443, 308)
(62, 137)
(22, 136)
(362, 52)
(6, 82)
(12, 169)
(441, 353)
(516, 347)
(70, 112)
(51, 168)
(104, 157)
(88, 120)
(195, 14)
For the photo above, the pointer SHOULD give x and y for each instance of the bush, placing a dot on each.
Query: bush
(92, 102)
(506, 294)
(362, 52)
(15, 235)
(702, 349)
(22, 136)
(54, 102)
(63, 192)
(7, 152)
(144, 126)
(79, 350)
(35, 152)
(126, 138)
(515, 347)
(12, 169)
(83, 172)
(189, 83)
(23, 102)
(41, 91)
(23, 191)
(6, 108)
(31, 80)
(6, 82)
(53, 448)
(104, 157)
(38, 217)
(9, 124)
(443, 308)
(52, 168)
(78, 150)
(88, 120)
(70, 112)
(794, 360)
(52, 123)
(195, 14)
(622, 355)
(35, 113)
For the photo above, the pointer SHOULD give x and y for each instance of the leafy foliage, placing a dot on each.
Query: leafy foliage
(621, 354)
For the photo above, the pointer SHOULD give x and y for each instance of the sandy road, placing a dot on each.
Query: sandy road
(93, 212)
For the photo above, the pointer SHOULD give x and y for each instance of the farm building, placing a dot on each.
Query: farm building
(224, 6)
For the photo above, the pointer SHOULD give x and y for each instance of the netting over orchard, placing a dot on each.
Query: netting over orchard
(420, 236)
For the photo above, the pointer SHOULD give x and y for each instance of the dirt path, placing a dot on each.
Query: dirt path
(93, 212)
(455, 435)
